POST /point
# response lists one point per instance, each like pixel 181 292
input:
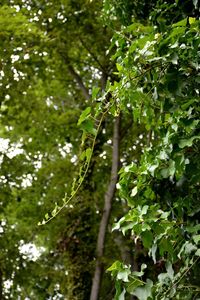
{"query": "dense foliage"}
pixel 158 67
pixel 68 71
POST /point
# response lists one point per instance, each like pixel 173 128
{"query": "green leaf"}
pixel 53 213
pixel 82 156
pixel 134 191
pixel 117 265
pixel 172 167
pixel 143 293
pixel 85 114
pixel 145 227
pixel 144 210
pixel 170 270
pixel 123 275
pixel 180 23
pixel 126 227
pixel 119 67
pixel 95 91
pixel 170 171
pixel 165 245
pixel 88 126
pixel 193 229
pixel 196 238
pixel 121 296
pixel 197 253
pixel 191 20
pixel 88 154
pixel 165 173
pixel 147 238
pixel 165 215
pixel 188 104
pixel 118 288
pixel 195 2
pixel 187 142
pixel 189 247
pixel 134 283
pixel 153 252
pixel 141 273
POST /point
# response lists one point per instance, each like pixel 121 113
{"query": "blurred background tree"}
pixel 56 59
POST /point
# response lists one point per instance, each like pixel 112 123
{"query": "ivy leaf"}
pixel 88 153
pixel 95 91
pixel 165 173
pixel 85 114
pixel 120 296
pixel 170 270
pixel 174 59
pixel 135 282
pixel 53 213
pixel 88 126
pixel 197 253
pixel 189 247
pixel 188 104
pixel 165 244
pixel 172 168
pixel 188 142
pixel 191 20
pixel 141 273
pixel 117 265
pixel 143 293
pixel 165 215
pixel 153 252
pixel 195 2
pixel 147 238
pixel 180 23
pixel 144 209
pixel 127 227
pixel 123 275
pixel 82 156
pixel 170 171
pixel 196 238
pixel 192 229
pixel 118 289
pixel 134 191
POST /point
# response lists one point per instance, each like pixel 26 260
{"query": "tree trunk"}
pixel 96 283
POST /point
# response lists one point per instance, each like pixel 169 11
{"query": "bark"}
pixel 96 283
pixel 124 249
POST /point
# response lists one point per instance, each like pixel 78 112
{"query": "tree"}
pixel 93 63
pixel 43 80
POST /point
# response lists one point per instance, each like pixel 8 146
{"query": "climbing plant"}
pixel 158 70
pixel 100 144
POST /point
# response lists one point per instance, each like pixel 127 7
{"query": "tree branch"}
pixel 75 75
pixel 92 54
pixel 79 81
pixel 106 212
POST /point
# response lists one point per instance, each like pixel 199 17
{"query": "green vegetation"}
pixel 99 150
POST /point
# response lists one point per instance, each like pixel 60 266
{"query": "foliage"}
pixel 40 106
pixel 56 128
pixel 158 83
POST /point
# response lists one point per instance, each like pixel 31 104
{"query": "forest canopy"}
pixel 99 149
